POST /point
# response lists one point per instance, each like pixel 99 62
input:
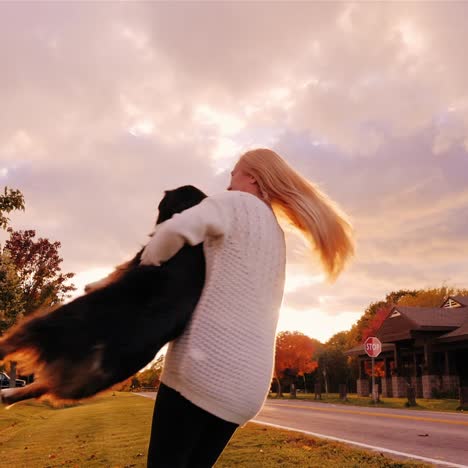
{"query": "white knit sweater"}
pixel 224 360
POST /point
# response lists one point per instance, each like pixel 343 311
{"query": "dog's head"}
pixel 178 200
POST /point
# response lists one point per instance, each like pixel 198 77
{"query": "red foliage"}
pixel 379 368
pixel 376 322
pixel 37 263
pixel 294 354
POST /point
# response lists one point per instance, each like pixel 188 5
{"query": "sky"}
pixel 106 105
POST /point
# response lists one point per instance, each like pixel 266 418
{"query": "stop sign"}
pixel 372 346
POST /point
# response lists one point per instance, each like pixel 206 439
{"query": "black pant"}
pixel 184 435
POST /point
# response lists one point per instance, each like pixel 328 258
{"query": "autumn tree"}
pixel 11 297
pixel 32 276
pixel 367 323
pixel 333 365
pixel 38 266
pixel 332 359
pixel 150 377
pixel 431 297
pixel 337 368
pixel 294 356
pixel 376 322
pixel 9 201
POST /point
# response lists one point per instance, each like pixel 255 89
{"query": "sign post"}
pixel 373 347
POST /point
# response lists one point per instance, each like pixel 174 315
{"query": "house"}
pixel 425 347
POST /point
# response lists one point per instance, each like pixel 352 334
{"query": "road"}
pixel 434 437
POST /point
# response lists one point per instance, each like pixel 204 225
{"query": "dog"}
pixel 105 336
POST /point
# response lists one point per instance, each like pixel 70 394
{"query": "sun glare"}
pixel 227 124
pixel 315 322
pixel 411 37
pixel 295 282
pixel 142 128
pixel 88 276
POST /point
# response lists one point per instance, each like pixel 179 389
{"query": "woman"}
pixel 217 374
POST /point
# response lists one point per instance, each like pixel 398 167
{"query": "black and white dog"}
pixel 107 335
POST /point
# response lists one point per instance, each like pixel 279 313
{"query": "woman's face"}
pixel 241 181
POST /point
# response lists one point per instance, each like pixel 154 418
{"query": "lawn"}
pixel 354 400
pixel 113 431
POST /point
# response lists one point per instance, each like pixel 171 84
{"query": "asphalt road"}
pixel 434 437
pixel 440 438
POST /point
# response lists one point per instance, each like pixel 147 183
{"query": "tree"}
pixel 39 281
pixel 9 201
pixel 150 377
pixel 431 297
pixel 360 330
pixel 11 304
pixel 367 325
pixel 334 365
pixel 37 264
pixel 293 356
pixel 376 322
pixel 331 358
pixel 11 297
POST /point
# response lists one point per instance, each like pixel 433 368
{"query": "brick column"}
pixel 387 387
pixel 399 387
pixel 363 387
pixel 429 383
pixel 450 383
pixel 386 380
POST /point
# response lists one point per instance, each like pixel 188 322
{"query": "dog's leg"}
pixel 12 395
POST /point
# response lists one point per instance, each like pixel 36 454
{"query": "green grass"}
pixel 113 431
pixel 104 431
pixel 354 400
pixel 261 447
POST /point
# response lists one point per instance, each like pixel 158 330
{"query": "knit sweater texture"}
pixel 224 360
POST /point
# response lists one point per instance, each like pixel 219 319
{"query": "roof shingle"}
pixel 459 334
pixel 435 316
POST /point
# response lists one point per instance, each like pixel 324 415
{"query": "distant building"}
pixel 425 347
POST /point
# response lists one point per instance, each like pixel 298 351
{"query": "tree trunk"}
pixel 325 381
pixel 13 374
pixel 279 392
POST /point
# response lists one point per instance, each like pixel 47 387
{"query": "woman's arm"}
pixel 192 227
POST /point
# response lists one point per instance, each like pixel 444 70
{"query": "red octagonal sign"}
pixel 372 346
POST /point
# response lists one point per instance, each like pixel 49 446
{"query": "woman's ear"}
pixel 252 179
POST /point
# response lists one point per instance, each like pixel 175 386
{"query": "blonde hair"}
pixel 324 225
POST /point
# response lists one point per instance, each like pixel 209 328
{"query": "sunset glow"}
pixel 106 105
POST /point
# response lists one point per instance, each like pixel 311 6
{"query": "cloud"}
pixel 105 105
